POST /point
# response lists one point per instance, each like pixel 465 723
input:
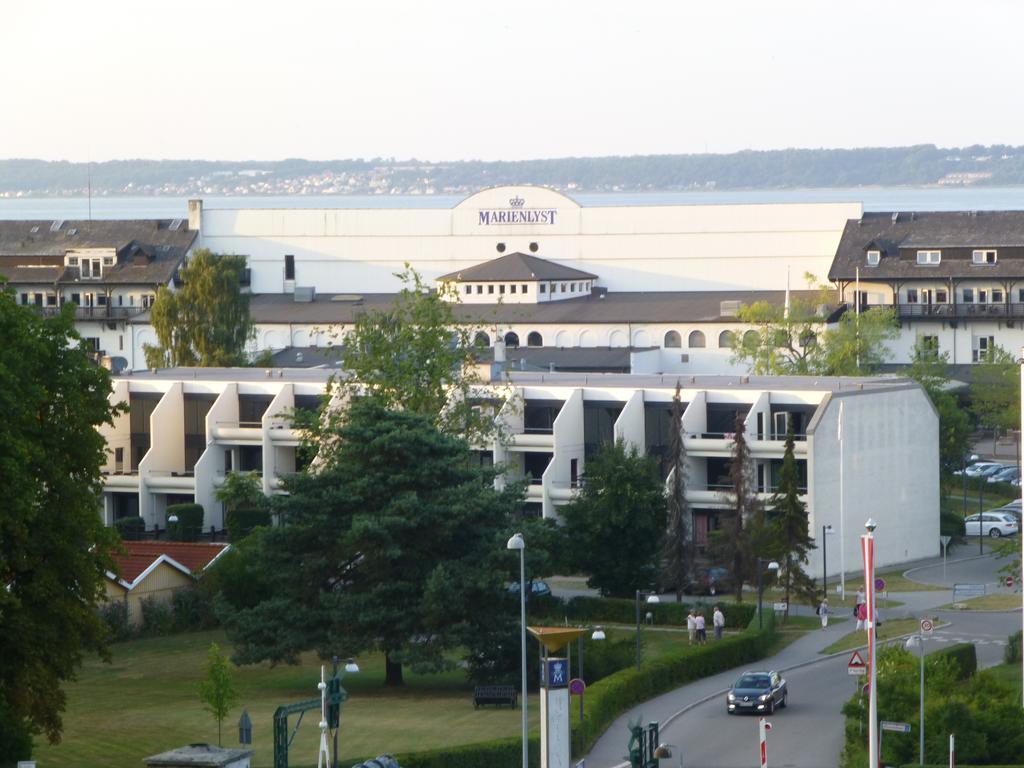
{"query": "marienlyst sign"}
pixel 516 213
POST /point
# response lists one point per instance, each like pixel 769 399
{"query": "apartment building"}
pixel 187 428
pixel 955 279
pixel 110 270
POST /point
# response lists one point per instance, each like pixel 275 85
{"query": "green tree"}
pixel 207 321
pixel 996 391
pixel 395 544
pixel 417 357
pixel 217 691
pixel 615 526
pixel 246 506
pixel 930 369
pixel 54 549
pixel 678 551
pixel 799 342
pixel 742 524
pixel 790 527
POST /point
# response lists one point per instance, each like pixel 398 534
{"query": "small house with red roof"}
pixel 156 570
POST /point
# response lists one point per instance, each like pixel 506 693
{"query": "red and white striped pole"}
pixel 764 727
pixel 867 542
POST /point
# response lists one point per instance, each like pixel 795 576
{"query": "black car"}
pixel 758 692
pixel 708 581
pixel 535 588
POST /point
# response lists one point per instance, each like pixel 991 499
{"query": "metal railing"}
pixel 958 311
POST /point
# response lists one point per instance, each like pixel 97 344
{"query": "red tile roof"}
pixel 140 555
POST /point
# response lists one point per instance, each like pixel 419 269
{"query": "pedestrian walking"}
pixel 702 632
pixel 823 613
pixel 718 621
pixel 691 626
pixel 862 616
pixel 858 601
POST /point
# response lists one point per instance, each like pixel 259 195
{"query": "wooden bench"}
pixel 495 694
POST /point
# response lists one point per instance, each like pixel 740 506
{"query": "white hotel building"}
pixel 186 428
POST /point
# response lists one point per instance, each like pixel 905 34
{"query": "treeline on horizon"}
pixel 892 166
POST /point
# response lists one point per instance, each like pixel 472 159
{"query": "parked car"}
pixel 757 692
pixel 1004 475
pixel 994 524
pixel 708 581
pixel 975 469
pixel 1011 506
pixel 537 588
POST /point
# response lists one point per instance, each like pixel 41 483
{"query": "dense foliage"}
pixel 743 533
pixel 930 369
pixel 54 549
pixel 678 550
pixel 789 526
pixel 615 525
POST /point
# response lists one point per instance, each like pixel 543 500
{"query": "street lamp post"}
pixel 517 543
pixel 351 668
pixel 652 599
pixel 825 531
pixel 772 566
pixel 868 546
pixel 918 640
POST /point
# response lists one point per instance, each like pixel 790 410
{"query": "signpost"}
pixel 780 607
pixel 576 688
pixel 945 543
pixel 889 725
pixel 1009 582
pixel 856 665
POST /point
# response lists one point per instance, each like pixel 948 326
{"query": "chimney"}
pixel 195 215
pixel 499 350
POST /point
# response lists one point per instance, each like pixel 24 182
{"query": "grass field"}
pixel 999 601
pixel 858 637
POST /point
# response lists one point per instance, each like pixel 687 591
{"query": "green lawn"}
pixel 145 702
pixel 999 601
pixel 858 637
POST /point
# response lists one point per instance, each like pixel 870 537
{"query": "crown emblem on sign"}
pixel 517 202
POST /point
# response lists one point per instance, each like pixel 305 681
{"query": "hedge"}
pixel 592 610
pixel 1011 654
pixel 130 528
pixel 499 753
pixel 190 522
pixel 964 656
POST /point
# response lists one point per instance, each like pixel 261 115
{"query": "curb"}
pixel 694 704
pixel 906 573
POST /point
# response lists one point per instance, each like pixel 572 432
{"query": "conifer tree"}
pixel 677 553
pixel 733 543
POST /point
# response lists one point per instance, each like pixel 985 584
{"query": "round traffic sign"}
pixel 576 686
pixel 880 584
pixel 926 625
pixel 1009 581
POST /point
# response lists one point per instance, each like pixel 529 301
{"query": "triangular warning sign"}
pixel 855 661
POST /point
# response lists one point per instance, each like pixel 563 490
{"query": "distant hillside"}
pixel 896 166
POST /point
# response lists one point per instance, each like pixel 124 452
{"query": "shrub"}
pixel 115 615
pixel 240 522
pixel 130 528
pixel 15 739
pixel 192 609
pixel 190 522
pixel 964 656
pixel 157 617
pixel 498 753
pixel 1011 654
pixel 595 610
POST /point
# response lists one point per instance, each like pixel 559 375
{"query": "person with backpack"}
pixel 823 613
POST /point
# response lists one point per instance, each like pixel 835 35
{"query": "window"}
pixel 522 289
pixel 911 295
pixel 1020 295
pixel 543 288
pixel 490 288
pixel 968 295
pixel 120 343
pixel 85 271
pixel 289 267
pixel 983 257
pixel 120 300
pixel 983 295
pixel 534 340
pixel 24 299
pixel 72 261
pixel 501 288
pixel 929 258
pixel 928 346
pixel 982 347
pixel 512 288
pixel 873 258
pixel 131 300
pixel 673 339
pixel 572 287
pixel 108 261
pixel 101 299
pixel 479 289
pixel 697 340
pixel 512 339
pixel 997 295
pixel 97 270
pixel 940 296
pixel 563 287
pixel 148 299
pixel 469 289
pixel 725 339
pixel 481 339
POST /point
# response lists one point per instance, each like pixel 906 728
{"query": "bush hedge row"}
pixel 964 655
pixel 591 610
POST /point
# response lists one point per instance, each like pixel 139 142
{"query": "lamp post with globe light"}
pixel 773 567
pixel 516 542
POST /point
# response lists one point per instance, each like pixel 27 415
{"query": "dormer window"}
pixel 983 257
pixel 873 258
pixel 108 261
pixel 72 261
pixel 929 258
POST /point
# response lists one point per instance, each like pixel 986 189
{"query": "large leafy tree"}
pixel 930 369
pixel 677 553
pixel 417 357
pixel 798 340
pixel 207 321
pixel 396 544
pixel 615 526
pixel 743 532
pixel 996 390
pixel 789 526
pixel 54 550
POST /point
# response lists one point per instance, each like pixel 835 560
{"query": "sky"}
pixel 478 79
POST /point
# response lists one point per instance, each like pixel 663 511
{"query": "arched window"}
pixel 672 339
pixel 697 340
pixel 511 340
pixel 534 340
pixel 481 339
pixel 750 337
pixel 726 339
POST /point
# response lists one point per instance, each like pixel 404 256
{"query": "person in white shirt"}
pixel 858 612
pixel 702 632
pixel 691 625
pixel 718 621
pixel 823 613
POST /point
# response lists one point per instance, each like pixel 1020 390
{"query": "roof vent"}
pixel 729 308
pixel 56 225
pixel 175 225
pixel 744 379
pixel 304 294
pixel 895 216
pixel 34 229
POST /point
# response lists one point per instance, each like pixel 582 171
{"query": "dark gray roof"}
pixel 518 266
pixel 955 233
pixel 163 241
pixel 624 307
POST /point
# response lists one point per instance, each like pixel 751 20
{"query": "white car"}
pixel 1005 475
pixel 994 524
pixel 980 468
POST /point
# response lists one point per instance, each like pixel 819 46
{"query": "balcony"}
pixel 96 313
pixel 120 480
pixel 238 432
pixel 1010 309
pixel 171 482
